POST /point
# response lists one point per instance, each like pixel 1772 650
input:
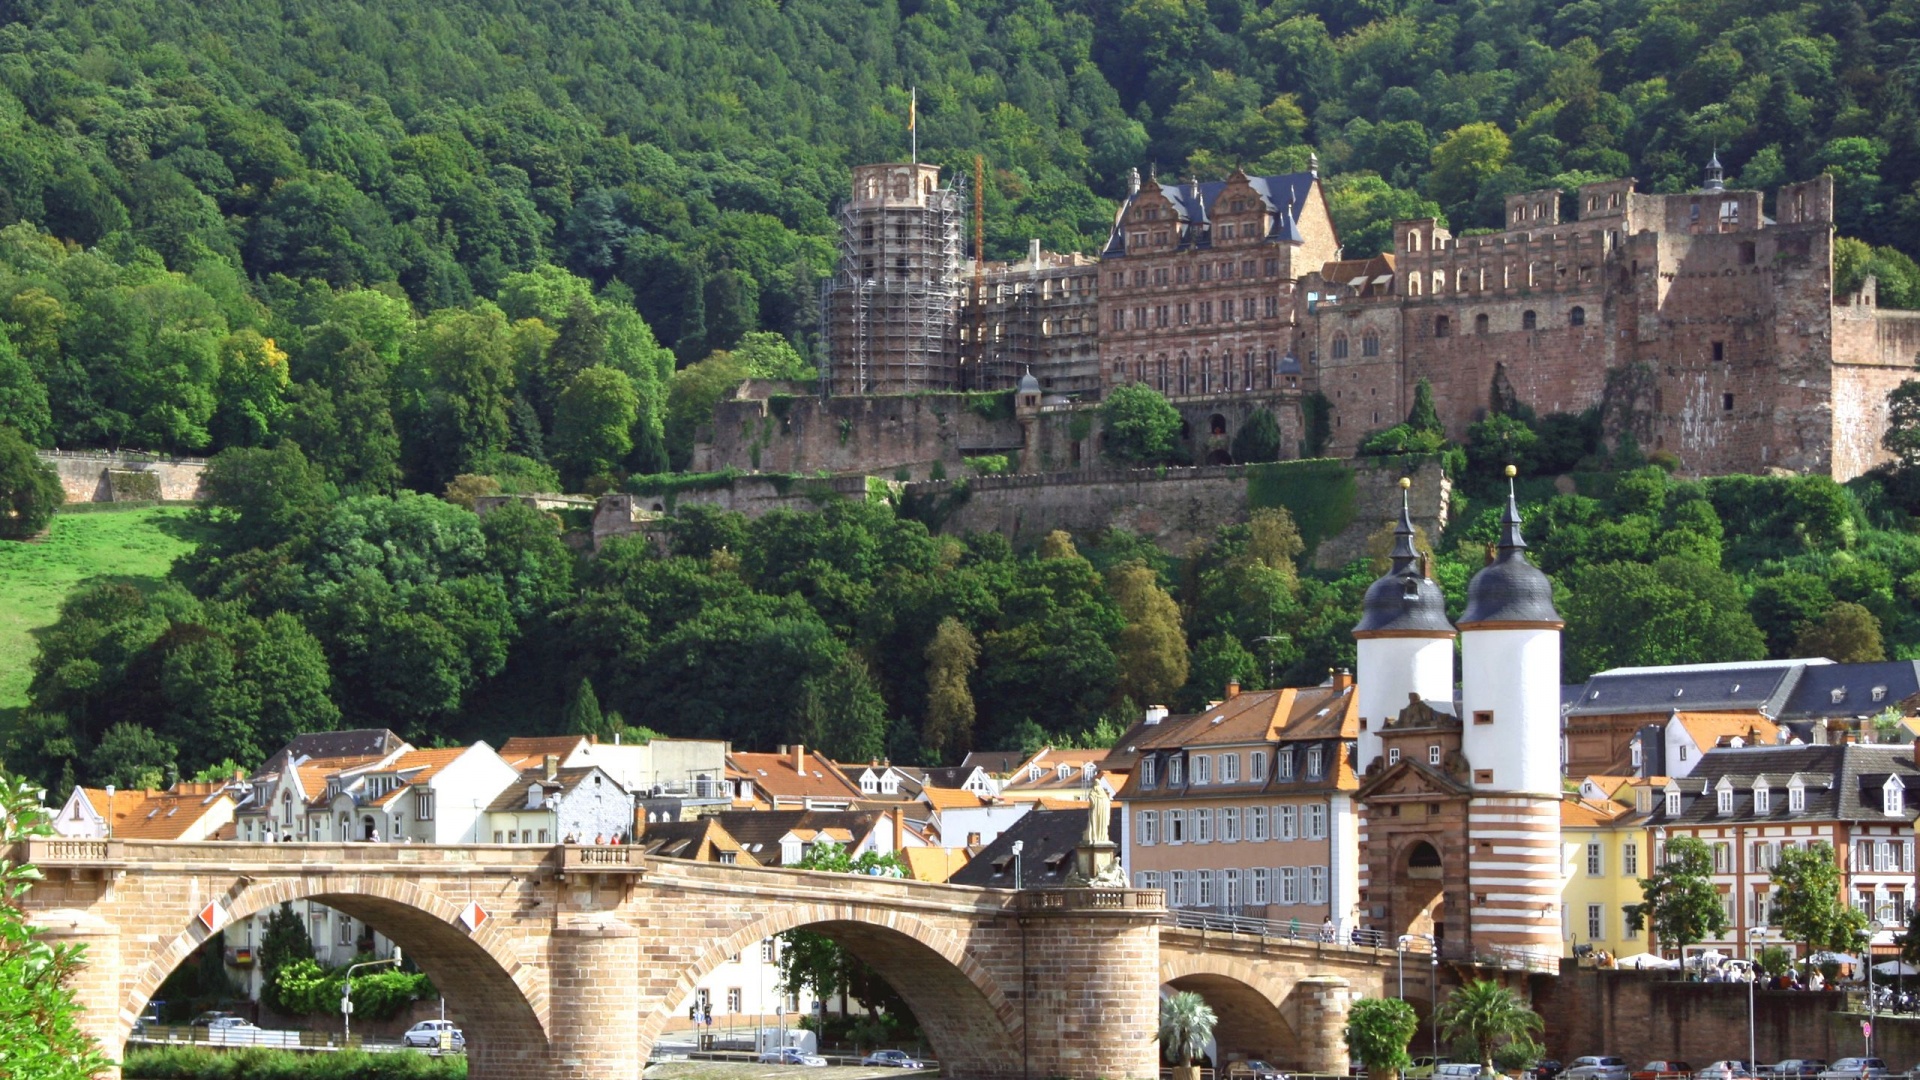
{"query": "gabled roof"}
pixel 514 796
pixel 933 863
pixel 775 775
pixel 1282 196
pixel 759 832
pixel 1758 686
pixel 1708 730
pixel 1576 813
pixel 1851 690
pixel 701 840
pixel 156 815
pixel 522 751
pixel 994 762
pixel 941 798
pixel 419 766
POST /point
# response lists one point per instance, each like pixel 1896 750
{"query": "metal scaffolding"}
pixel 890 314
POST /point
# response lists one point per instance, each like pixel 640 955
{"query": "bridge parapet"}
pixel 616 860
pixel 66 852
pixel 1085 901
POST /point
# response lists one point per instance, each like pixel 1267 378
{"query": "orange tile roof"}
pixel 155 815
pixel 775 775
pixel 933 863
pixel 427 762
pixel 522 750
pixel 1707 729
pixel 1579 813
pixel 941 798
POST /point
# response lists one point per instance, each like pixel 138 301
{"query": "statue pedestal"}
pixel 1094 863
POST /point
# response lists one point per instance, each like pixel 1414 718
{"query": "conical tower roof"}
pixel 1404 601
pixel 1510 591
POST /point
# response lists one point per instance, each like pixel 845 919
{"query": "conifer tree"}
pixel 583 711
pixel 951 656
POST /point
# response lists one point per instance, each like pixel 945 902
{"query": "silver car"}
pixel 432 1034
pixel 792 1055
pixel 1854 1068
pixel 893 1059
pixel 1595 1067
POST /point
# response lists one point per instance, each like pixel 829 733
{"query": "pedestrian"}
pixel 1326 929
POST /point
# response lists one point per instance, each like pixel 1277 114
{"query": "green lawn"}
pixel 136 546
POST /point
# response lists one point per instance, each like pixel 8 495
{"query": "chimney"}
pixel 899 828
pixel 553 766
pixel 1155 714
pixel 800 758
pixel 1342 678
pixel 1233 689
pixel 1033 253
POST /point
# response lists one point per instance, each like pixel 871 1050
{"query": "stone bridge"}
pixel 567 962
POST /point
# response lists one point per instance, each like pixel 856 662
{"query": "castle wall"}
pixel 89 476
pixel 877 434
pixel 1874 352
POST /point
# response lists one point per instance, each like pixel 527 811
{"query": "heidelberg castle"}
pixel 1706 327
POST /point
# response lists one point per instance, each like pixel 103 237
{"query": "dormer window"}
pixel 1393 755
pixel 1433 754
pixel 1062 771
pixel 1762 797
pixel 1283 765
pixel 1087 770
pixel 1146 772
pixel 1723 797
pixel 1637 760
pixel 868 785
pixel 1879 693
pixel 1796 797
pixel 1838 694
pixel 1315 762
pixel 1229 768
pixel 1893 796
pixel 1643 801
pixel 1257 766
pixel 1673 802
pixel 1202 769
pixel 890 784
pixel 1174 770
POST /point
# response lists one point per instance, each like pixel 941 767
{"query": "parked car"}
pixel 431 1033
pixel 893 1059
pixel 1663 1070
pixel 1853 1068
pixel 1545 1070
pixel 1596 1067
pixel 1793 1069
pixel 1457 1070
pixel 1725 1070
pixel 206 1019
pixel 1422 1068
pixel 790 1055
pixel 1254 1069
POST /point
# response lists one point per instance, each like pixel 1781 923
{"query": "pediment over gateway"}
pixel 1420 715
pixel 1413 780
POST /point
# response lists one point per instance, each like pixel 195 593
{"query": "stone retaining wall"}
pixel 99 476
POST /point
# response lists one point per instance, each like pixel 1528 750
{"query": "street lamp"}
pixel 1755 936
pixel 1866 956
pixel 346 991
pixel 1402 950
pixel 109 811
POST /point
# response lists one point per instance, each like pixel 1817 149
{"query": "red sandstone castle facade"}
pixel 1693 320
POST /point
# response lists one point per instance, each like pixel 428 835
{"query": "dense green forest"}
pixel 274 217
pixel 856 630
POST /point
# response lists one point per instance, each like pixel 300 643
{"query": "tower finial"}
pixel 1510 538
pixel 1313 164
pixel 1404 554
pixel 1716 176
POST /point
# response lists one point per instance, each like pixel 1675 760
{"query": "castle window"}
pixel 1339 349
pixel 1433 754
pixel 1413 241
pixel 1413 284
pixel 1480 324
pixel 1393 755
pixel 1719 352
pixel 1746 252
pixel 1529 320
pixel 1726 402
pixel 1577 317
pixel 1483 716
pixel 1370 344
pixel 1483 776
pixel 1442 326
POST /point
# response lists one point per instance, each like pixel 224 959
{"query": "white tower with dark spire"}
pixel 1404 642
pixel 1510 704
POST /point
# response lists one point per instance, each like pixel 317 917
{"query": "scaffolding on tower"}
pixel 890 314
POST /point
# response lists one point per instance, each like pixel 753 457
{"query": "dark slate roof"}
pixel 1050 838
pixel 996 762
pixel 1851 690
pixel 1404 600
pixel 514 795
pixel 1762 686
pixel 1510 589
pixel 360 742
pixel 949 776
pixel 1193 204
pixel 1842 780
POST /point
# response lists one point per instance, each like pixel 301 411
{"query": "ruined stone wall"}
pixel 89 476
pixel 1874 352
pixel 877 434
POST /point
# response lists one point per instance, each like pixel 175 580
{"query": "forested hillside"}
pixel 234 163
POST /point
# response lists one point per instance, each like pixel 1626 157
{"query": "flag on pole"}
pixel 913 107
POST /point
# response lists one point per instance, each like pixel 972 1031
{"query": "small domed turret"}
pixel 1029 384
pixel 1510 591
pixel 1404 598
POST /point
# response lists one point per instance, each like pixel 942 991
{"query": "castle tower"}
pixel 1404 641
pixel 1510 737
pixel 890 314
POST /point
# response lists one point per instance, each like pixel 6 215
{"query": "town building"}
pixel 1051 775
pixel 1246 808
pixel 1461 810
pixel 1605 848
pixel 792 779
pixel 550 804
pixel 1749 803
pixel 185 811
pixel 1038 852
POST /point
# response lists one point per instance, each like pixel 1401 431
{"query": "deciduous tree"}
pixel 1679 902
pixel 30 490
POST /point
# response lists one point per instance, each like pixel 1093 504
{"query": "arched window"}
pixel 1528 320
pixel 1439 282
pixel 1413 240
pixel 1413 284
pixel 1370 344
pixel 1577 317
pixel 1339 350
pixel 1462 280
pixel 1206 373
pixel 1479 324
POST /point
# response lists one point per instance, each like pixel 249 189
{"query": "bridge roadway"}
pixel 567 962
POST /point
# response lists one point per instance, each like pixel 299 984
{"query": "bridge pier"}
pixel 593 1029
pixel 1317 1009
pixel 96 986
pixel 1090 983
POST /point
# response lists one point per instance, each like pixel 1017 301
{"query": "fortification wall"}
pixel 1874 352
pixel 1339 504
pixel 846 435
pixel 98 476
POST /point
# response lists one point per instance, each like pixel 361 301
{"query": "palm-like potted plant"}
pixel 1487 1014
pixel 1378 1031
pixel 1186 1027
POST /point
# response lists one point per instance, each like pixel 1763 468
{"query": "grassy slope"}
pixel 137 546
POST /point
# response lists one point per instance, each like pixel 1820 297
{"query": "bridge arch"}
pixel 972 1027
pixel 1248 1002
pixel 501 1001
